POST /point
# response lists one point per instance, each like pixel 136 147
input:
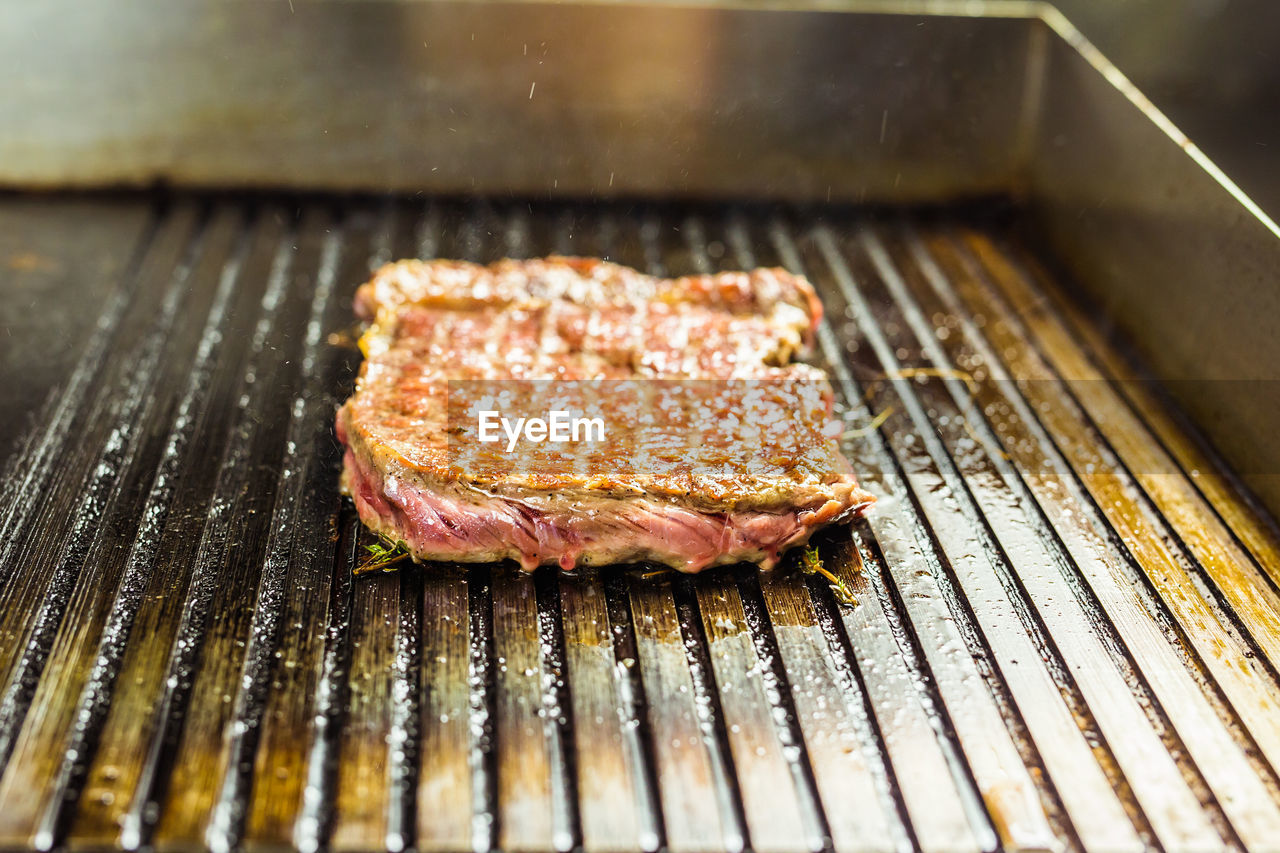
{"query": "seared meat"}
pixel 714 448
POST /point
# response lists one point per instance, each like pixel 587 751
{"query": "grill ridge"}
pixel 711 722
pixel 899 832
pixel 634 710
pixel 484 758
pixel 315 812
pixel 778 689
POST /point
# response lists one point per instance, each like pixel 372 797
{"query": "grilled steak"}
pixel 713 447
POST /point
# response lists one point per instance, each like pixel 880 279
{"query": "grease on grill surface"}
pixel 1062 639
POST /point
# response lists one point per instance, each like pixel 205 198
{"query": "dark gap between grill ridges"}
pixel 557 708
pixel 471 238
pixel 1167 531
pixel 1099 624
pixel 428 232
pixel 189 424
pixel 115 474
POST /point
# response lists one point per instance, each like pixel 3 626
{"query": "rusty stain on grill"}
pixel 1066 635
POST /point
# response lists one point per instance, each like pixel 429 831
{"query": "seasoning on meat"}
pixel 703 443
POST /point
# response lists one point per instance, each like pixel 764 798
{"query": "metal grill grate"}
pixel 1066 634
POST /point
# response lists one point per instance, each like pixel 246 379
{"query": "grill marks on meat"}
pixel 587 282
pixel 718 448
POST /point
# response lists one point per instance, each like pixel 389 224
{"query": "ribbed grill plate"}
pixel 1067 625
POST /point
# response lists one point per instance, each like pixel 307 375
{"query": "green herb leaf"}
pixel 843 594
pixel 811 564
pixel 383 553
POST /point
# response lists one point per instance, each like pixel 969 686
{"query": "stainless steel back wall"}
pixel 511 98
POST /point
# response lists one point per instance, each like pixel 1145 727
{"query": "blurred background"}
pixel 129 93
